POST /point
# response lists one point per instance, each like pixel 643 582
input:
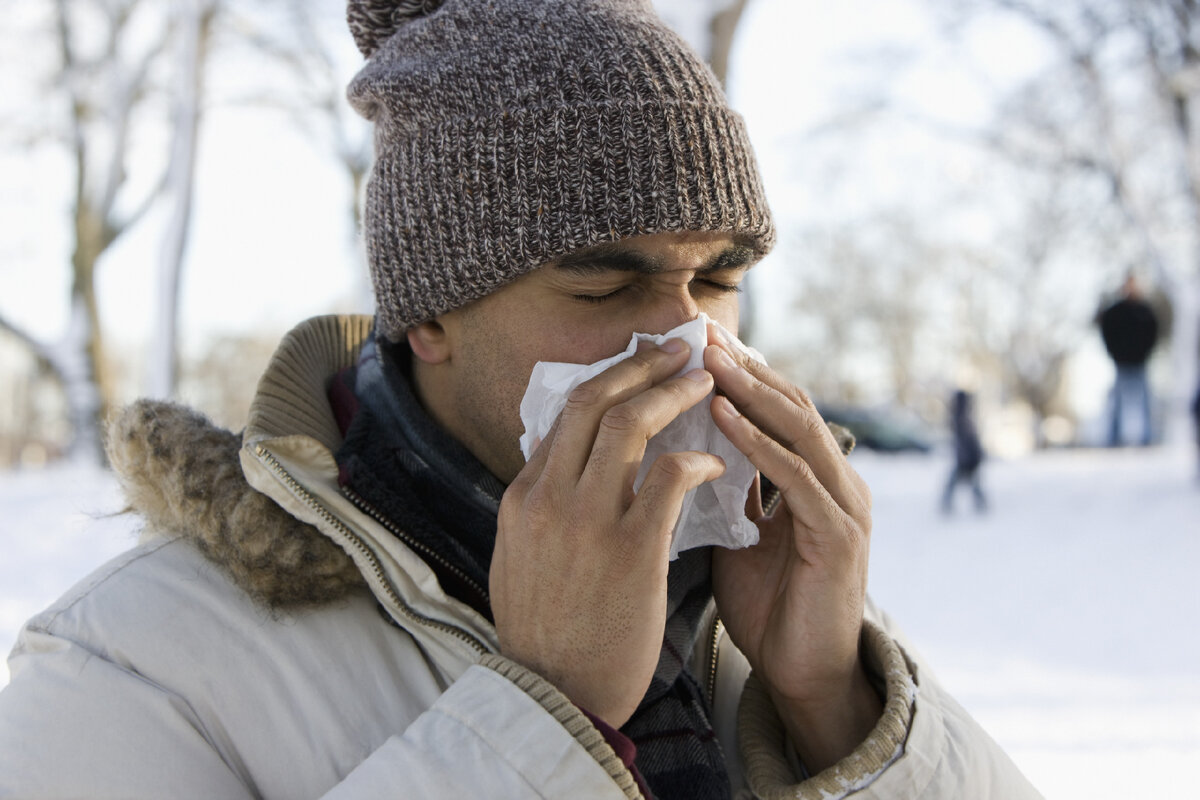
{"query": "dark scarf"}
pixel 417 480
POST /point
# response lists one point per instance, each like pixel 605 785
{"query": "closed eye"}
pixel 599 298
pixel 723 288
pixel 698 284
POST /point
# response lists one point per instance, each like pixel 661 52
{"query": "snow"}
pixel 1065 619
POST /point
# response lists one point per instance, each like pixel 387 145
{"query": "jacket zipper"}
pixel 713 658
pixel 380 577
pixel 427 552
pixel 771 501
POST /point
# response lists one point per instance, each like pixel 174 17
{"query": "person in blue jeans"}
pixel 968 454
pixel 1129 328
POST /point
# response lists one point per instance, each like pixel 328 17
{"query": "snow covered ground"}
pixel 1067 619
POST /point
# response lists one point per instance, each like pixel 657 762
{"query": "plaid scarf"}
pixel 401 467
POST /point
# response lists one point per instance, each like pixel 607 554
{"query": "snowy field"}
pixel 1067 619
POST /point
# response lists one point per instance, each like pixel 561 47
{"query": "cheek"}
pixel 576 342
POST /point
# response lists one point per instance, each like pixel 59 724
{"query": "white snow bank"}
pixel 1065 619
pixel 56 526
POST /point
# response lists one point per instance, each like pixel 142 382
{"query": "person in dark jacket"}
pixel 1130 330
pixel 968 453
pixel 1195 409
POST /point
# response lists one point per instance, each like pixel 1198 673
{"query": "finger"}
pixel 541 449
pixel 660 498
pixel 587 403
pixel 627 427
pixel 768 376
pixel 806 496
pixel 754 504
pixel 772 379
pixel 786 414
pixel 759 369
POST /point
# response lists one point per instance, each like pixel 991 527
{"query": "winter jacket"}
pixel 968 450
pixel 267 639
pixel 1130 331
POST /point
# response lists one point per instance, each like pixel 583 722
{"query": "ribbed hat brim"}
pixel 456 194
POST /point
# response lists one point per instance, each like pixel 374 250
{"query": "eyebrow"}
pixel 616 258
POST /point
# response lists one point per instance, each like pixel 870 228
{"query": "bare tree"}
pixel 127 72
pixel 708 25
pixel 866 308
pixel 1116 104
pixel 193 22
pixel 1021 313
pixel 103 77
pixel 307 40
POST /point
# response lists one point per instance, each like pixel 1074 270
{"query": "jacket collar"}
pixel 287 454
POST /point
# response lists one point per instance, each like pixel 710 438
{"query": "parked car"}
pixel 878 429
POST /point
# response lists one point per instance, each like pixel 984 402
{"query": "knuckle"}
pixel 757 384
pixel 644 358
pixel 759 440
pixel 584 396
pixel 802 399
pixel 673 465
pixel 815 427
pixel 539 506
pixel 799 473
pixel 623 418
pixel 641 364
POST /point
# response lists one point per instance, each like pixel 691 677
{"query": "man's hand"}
pixel 579 575
pixel 794 602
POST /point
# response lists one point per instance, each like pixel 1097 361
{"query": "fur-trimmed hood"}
pixel 182 473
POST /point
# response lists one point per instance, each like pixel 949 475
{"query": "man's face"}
pixel 580 308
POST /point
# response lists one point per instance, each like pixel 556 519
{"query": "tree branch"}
pixel 127 96
pixel 42 353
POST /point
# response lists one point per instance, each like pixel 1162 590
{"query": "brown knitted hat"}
pixel 511 132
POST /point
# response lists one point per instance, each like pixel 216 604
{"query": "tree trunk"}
pixel 194 22
pixel 722 28
pixel 79 358
pixel 78 364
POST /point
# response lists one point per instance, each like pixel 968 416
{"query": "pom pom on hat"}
pixel 372 22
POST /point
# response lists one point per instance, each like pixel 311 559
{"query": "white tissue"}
pixel 712 514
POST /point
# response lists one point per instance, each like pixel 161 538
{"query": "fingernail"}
pixel 726 407
pixel 697 375
pixel 674 345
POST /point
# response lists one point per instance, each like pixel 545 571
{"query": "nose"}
pixel 668 310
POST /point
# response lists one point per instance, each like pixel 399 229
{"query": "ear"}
pixel 429 342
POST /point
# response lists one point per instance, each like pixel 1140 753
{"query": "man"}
pixel 1130 331
pixel 401 605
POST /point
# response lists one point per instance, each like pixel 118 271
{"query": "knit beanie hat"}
pixel 512 132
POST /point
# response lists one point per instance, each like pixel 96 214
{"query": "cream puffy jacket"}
pixel 236 654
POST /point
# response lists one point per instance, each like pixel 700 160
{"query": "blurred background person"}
pixel 1129 328
pixel 1195 409
pixel 968 453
